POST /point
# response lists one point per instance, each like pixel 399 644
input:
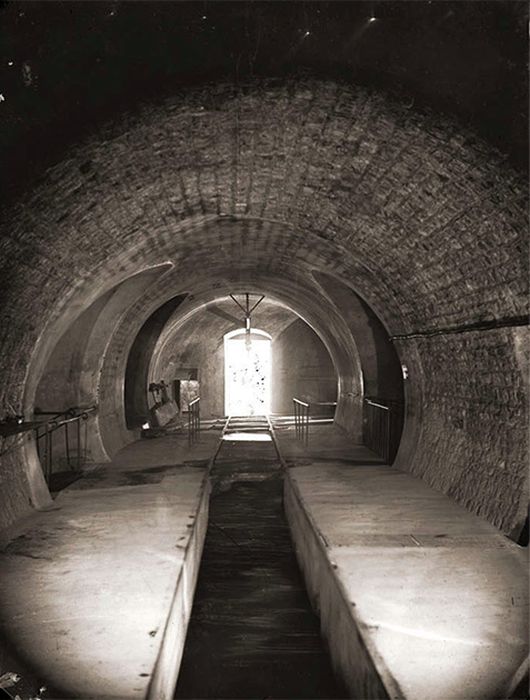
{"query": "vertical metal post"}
pixel 369 425
pixel 50 456
pixel 387 438
pixel 298 420
pixel 37 442
pixel 377 435
pixel 194 420
pixel 85 418
pixel 67 444
pixel 301 420
pixel 78 424
pixel 379 432
pixel 46 448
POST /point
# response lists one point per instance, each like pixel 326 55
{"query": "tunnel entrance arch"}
pixel 248 369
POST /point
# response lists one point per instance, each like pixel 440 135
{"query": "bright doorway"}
pixel 247 373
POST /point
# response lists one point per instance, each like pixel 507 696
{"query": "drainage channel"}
pixel 252 632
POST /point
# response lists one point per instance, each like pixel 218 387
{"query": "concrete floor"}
pixel 87 590
pixel 431 597
pixel 326 443
pixel 418 598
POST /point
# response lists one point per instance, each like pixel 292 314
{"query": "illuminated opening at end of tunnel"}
pixel 248 364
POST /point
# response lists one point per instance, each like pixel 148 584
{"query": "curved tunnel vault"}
pixel 308 192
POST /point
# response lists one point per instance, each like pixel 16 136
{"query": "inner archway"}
pixel 248 363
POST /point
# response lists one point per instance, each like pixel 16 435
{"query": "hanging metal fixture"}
pixel 247 310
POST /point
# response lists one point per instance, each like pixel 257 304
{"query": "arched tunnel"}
pixel 387 246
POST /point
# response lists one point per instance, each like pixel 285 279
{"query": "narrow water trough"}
pixel 252 632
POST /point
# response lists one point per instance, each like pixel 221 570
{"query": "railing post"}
pixel 380 421
pixel 67 445
pixel 371 431
pixel 298 421
pixel 50 456
pixel 85 449
pixel 37 442
pixel 46 429
pixel 78 426
pixel 46 448
pixel 387 435
pixel 194 420
pixel 301 420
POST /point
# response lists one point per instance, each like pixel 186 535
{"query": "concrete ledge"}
pixel 417 597
pixel 165 675
pixel 354 657
pixel 95 597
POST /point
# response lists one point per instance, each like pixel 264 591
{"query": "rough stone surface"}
pixel 474 406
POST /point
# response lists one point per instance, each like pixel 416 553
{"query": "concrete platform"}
pixel 417 597
pixel 326 443
pixel 95 596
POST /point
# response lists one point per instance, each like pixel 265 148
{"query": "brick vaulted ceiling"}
pixel 422 220
pixel 262 183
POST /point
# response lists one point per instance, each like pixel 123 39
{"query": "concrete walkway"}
pixel 95 596
pixel 418 598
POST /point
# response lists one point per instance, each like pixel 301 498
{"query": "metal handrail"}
pixel 194 420
pixel 301 411
pixel 46 429
pixel 54 424
pixel 383 427
pixel 370 402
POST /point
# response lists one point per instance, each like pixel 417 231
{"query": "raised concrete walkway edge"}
pixel 353 655
pixel 165 674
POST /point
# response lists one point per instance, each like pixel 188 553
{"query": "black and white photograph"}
pixel 264 349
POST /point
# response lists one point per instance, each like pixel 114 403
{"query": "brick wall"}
pixel 382 377
pixel 270 181
pixel 473 443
